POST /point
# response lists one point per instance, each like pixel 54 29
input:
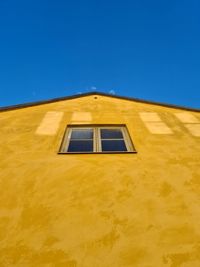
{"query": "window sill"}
pixel 75 153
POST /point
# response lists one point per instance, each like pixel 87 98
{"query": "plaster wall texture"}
pixel 99 210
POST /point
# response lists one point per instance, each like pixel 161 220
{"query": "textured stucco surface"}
pixel 50 123
pixel 102 210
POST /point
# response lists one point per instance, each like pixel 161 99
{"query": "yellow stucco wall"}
pixel 102 210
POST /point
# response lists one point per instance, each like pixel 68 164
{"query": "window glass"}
pixel 113 145
pixel 111 134
pixel 80 146
pixel 82 134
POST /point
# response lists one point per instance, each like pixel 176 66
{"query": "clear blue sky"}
pixel 148 49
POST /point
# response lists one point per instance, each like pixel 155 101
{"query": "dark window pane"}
pixel 111 134
pixel 80 146
pixel 113 145
pixel 82 134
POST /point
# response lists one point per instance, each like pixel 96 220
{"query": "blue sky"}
pixel 147 49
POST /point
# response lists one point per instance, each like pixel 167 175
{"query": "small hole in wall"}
pixel 95 97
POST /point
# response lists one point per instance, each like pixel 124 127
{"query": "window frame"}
pixel 97 149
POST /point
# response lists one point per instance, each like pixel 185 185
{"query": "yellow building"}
pixel 96 180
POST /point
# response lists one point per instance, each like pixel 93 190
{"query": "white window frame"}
pixel 97 139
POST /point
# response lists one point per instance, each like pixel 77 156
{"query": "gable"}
pixel 49 118
pixel 111 201
pixel 95 94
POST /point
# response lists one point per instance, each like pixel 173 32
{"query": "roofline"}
pixel 31 104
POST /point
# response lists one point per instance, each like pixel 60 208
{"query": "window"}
pixel 96 139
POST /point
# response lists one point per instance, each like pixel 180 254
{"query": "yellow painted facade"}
pixel 100 210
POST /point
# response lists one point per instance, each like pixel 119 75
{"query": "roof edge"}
pixel 37 103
